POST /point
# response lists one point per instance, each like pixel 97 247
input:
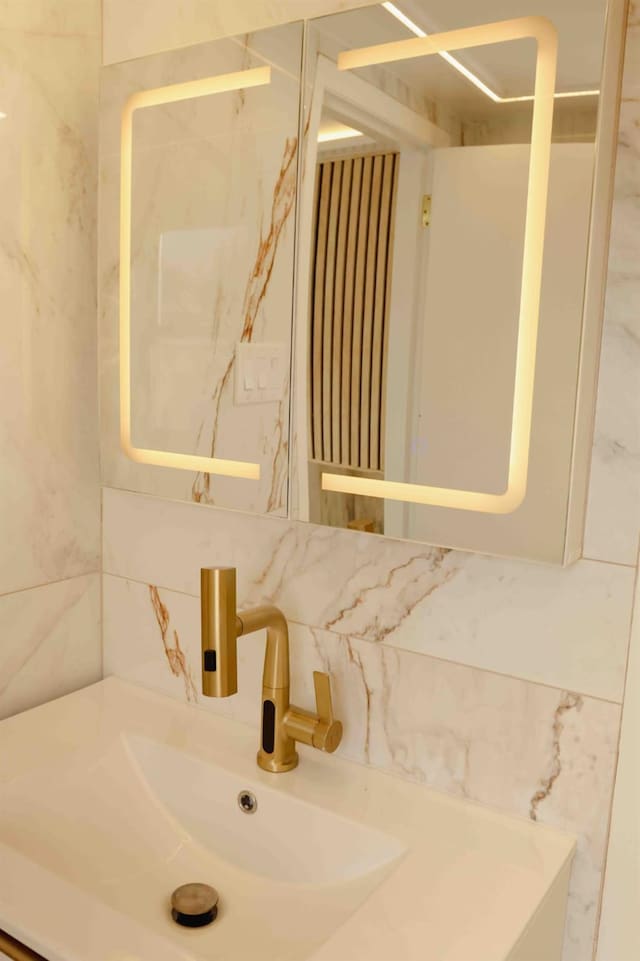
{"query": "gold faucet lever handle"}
pixel 324 705
pixel 328 732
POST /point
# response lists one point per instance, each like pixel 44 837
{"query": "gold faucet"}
pixel 282 723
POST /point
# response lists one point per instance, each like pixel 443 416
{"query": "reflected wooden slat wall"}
pixel 354 217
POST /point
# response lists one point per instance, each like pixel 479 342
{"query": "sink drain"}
pixel 247 802
pixel 194 905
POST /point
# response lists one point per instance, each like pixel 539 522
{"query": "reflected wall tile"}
pixel 563 627
pixel 158 26
pixel 49 642
pixel 223 207
pixel 531 750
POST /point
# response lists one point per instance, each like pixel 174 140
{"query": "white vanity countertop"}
pixel 90 884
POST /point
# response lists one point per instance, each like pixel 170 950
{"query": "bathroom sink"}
pixel 112 797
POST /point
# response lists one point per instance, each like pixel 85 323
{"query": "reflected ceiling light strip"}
pixel 339 132
pixel 419 32
pixel 160 96
pixel 557 95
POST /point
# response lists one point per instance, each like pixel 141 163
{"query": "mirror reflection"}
pixel 213 169
pixel 413 205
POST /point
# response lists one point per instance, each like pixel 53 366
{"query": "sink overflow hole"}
pixel 247 802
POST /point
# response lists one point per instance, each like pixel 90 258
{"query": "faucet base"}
pixel 269 763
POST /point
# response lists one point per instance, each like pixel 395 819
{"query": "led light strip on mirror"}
pixel 224 83
pixel 545 34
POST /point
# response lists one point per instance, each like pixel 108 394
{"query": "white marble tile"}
pixel 49 494
pixel 562 627
pixel 613 513
pixel 49 642
pixel 528 749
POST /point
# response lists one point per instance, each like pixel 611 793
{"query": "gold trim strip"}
pixel 16 950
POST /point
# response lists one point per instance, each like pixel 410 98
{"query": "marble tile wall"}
pixel 532 728
pixel 496 680
pixel 49 481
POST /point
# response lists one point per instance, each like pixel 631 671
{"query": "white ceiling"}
pixel 507 68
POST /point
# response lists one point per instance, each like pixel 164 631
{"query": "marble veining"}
pixel 284 193
pixel 412 582
pixel 569 702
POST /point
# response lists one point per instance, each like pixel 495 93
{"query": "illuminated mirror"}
pixel 445 231
pixel 200 146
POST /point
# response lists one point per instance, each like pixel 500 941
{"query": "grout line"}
pixel 421 547
pixel 101 628
pixel 465 665
pixel 59 580
pixel 144 583
pixel 402 650
pixel 600 560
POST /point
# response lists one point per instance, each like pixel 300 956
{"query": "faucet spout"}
pixel 276 659
pixel 219 631
pixel 282 723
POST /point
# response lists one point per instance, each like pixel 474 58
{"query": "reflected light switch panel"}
pixel 259 373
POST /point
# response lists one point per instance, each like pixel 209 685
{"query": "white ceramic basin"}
pixel 112 797
pixel 288 840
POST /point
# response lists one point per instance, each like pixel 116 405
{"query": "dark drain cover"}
pixel 194 905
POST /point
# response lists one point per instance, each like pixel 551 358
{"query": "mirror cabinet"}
pixel 357 271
